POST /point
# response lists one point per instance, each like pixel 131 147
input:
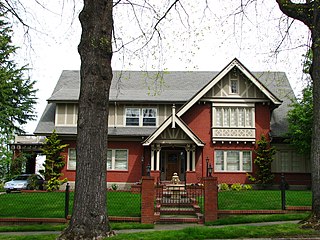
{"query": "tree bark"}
pixel 89 219
pixel 309 14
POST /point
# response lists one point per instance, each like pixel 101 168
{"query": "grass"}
pixel 127 204
pixel 261 199
pixel 231 232
pixel 51 205
pixel 60 227
pixel 238 219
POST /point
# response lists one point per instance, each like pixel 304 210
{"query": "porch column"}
pixel 158 148
pixel 152 157
pixel 188 156
pixel 193 164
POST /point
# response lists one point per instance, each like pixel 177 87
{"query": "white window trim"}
pixel 113 160
pixel 68 161
pixel 225 165
pixel 140 116
pixel 227 107
pixel 75 114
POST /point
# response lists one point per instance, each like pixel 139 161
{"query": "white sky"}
pixel 191 41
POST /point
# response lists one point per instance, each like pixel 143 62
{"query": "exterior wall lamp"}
pixel 210 170
pixel 148 168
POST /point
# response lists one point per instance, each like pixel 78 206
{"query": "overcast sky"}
pixel 194 38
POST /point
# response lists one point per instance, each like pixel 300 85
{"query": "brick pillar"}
pixel 210 199
pixel 147 200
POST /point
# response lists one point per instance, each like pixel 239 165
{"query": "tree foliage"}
pixel 300 119
pixel 17 96
pixel 54 163
pixel 263 175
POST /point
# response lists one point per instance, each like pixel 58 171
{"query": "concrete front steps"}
pixel 179 213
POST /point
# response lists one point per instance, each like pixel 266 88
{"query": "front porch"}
pixel 165 160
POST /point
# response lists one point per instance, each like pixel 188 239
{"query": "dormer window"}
pixel 141 116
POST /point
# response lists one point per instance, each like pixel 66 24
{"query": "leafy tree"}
pixel 308 12
pixel 263 161
pixel 17 95
pixel 54 163
pixel 300 119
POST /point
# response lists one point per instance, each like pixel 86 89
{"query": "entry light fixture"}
pixel 210 170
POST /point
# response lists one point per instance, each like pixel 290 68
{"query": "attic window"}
pixel 234 86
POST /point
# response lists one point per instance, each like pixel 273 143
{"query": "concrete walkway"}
pixel 163 227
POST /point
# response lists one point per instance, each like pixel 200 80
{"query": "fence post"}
pixel 283 192
pixel 210 199
pixel 147 200
pixel 66 203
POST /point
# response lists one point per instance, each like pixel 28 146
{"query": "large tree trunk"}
pixel 315 75
pixel 89 219
pixel 309 14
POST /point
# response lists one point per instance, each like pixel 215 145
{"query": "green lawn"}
pixel 231 232
pixel 51 205
pixel 261 199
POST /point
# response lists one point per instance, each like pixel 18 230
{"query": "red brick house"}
pixel 183 122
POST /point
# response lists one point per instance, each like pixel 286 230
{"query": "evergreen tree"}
pixel 17 95
pixel 54 163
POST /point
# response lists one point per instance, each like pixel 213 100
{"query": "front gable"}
pixel 222 78
pixel 235 85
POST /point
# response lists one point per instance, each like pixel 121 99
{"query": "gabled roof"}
pixel 166 124
pixel 171 87
pixel 219 76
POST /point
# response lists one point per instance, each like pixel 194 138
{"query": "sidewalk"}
pixel 159 227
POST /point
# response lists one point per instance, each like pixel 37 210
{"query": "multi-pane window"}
pixel 233 117
pixel 287 160
pixel 132 116
pixel 141 116
pixel 66 114
pixel 149 116
pixel 71 159
pixel 117 159
pixel 233 161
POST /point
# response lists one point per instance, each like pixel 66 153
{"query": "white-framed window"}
pixel 71 159
pixel 233 161
pixel 141 116
pixel 66 114
pixel 117 159
pixel 233 117
pixel 132 116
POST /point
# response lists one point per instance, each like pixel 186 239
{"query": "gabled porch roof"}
pixel 173 120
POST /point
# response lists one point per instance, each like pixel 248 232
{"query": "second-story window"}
pixel 66 114
pixel 132 116
pixel 141 116
pixel 149 116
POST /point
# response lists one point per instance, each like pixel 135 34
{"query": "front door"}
pixel 173 165
pixel 173 162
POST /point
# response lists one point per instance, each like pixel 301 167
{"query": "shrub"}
pixel 236 186
pixel 223 187
pixel 114 187
pixel 246 187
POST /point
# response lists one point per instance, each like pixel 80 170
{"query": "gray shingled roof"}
pixel 173 87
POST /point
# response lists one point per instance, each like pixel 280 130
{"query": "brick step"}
pixel 177 210
pixel 180 219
